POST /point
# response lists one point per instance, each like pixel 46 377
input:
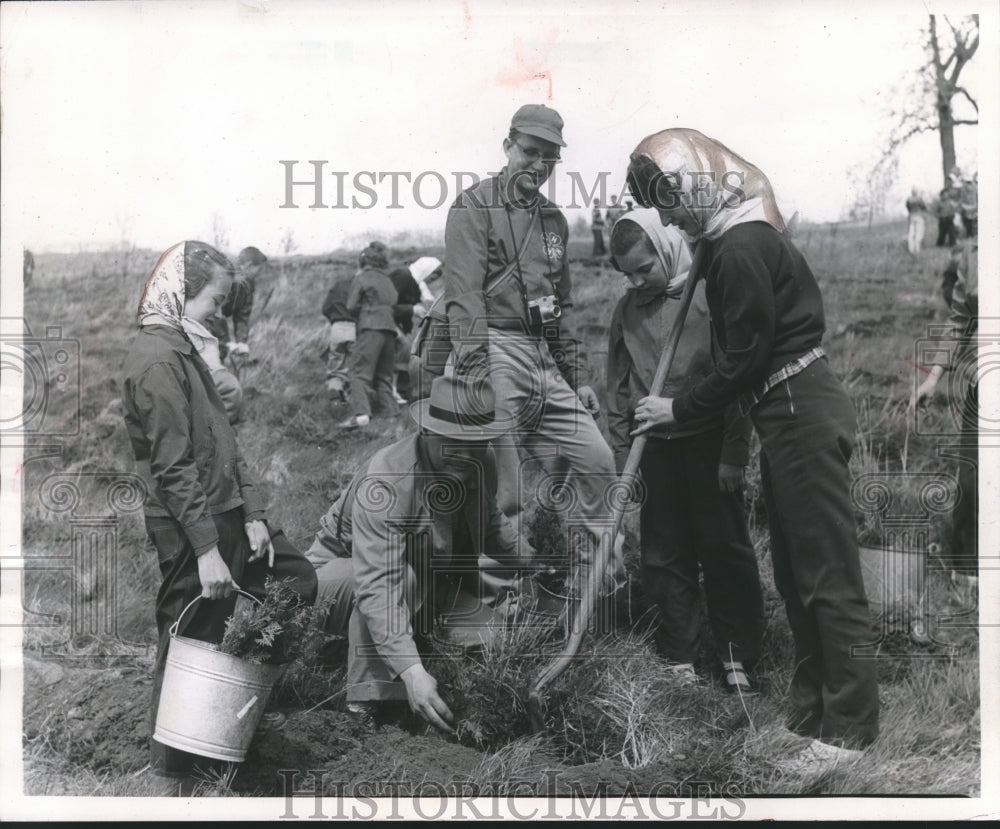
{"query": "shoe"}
pixel 684 673
pixel 364 713
pixel 402 401
pixel 357 422
pixel 735 680
pixel 820 758
pixel 270 722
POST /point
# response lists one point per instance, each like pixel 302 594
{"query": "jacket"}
pixel 640 326
pixel 766 311
pixel 335 302
pixel 371 299
pixel 483 234
pixel 390 526
pixel 407 295
pixel 183 444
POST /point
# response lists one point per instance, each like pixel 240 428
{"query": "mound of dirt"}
pixel 97 717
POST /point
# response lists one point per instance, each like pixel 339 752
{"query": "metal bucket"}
pixel 895 579
pixel 211 702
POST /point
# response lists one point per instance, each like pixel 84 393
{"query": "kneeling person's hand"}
pixel 421 689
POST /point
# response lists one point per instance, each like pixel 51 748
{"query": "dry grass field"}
pixel 617 718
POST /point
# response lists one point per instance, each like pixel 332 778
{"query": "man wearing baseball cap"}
pixel 508 296
pixel 418 534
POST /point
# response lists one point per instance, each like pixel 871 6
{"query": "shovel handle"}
pixel 198 598
pixel 605 548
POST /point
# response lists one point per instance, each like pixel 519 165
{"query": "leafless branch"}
pixel 960 90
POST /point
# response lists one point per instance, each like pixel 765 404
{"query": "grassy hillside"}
pixel 612 715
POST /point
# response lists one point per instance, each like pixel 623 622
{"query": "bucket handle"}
pixel 175 625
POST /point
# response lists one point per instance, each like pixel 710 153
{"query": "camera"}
pixel 543 310
pixel 48 371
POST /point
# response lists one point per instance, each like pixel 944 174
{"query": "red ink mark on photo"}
pixel 918 366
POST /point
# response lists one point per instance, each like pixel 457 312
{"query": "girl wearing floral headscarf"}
pixel 767 312
pixel 204 513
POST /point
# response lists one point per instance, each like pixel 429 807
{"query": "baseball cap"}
pixel 540 121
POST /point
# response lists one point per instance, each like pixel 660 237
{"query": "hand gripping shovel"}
pixel 536 706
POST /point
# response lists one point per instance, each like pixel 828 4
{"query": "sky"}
pixel 151 122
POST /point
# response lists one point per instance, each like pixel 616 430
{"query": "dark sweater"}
pixel 766 310
pixel 407 295
pixel 335 304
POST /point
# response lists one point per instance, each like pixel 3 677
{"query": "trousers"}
pixel 206 621
pixel 686 523
pixel 915 233
pixel 544 418
pixel 372 369
pixel 341 343
pixel 807 427
pixel 964 554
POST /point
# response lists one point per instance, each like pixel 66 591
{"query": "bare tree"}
pixel 871 184
pixel 935 100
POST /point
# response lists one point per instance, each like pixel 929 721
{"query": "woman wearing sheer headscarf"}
pixel 768 317
pixel 204 513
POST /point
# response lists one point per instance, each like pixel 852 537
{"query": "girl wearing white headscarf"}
pixel 767 313
pixel 692 516
pixel 203 511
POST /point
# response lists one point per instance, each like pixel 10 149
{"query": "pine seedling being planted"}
pixel 269 631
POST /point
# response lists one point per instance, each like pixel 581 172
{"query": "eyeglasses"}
pixel 533 154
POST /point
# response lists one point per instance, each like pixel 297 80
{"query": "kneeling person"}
pixel 425 537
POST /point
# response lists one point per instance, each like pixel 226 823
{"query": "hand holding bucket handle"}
pixel 174 627
pixel 216 580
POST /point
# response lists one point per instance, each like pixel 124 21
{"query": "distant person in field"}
pixel 417 537
pixel 509 301
pixel 204 513
pixel 29 267
pixel 597 229
pixel 692 515
pixel 614 213
pixel 969 206
pixel 343 330
pixel 340 340
pixel 959 354
pixel 767 313
pixel 946 209
pixel 915 209
pixel 373 358
pixel 239 305
pixel 408 296
pixel 427 271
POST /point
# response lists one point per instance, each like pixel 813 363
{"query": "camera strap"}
pixel 536 214
pixel 494 282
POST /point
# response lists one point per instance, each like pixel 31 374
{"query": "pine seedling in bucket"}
pixel 272 630
pixel 213 696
